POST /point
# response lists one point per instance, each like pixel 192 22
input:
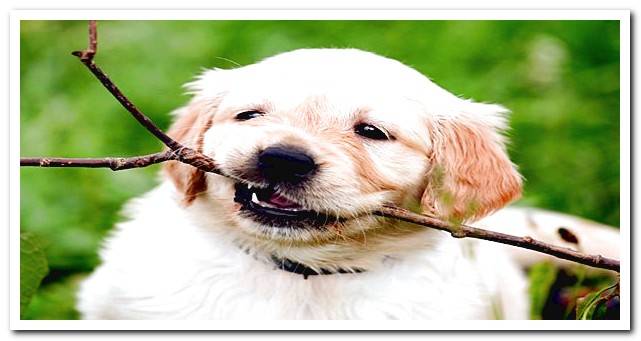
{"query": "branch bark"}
pixel 114 163
pixel 179 152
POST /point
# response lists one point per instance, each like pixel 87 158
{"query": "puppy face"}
pixel 316 138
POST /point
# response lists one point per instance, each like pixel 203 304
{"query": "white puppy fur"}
pixel 190 250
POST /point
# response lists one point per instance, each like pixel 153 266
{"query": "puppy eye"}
pixel 371 132
pixel 248 115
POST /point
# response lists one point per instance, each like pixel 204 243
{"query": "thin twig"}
pixel 181 153
pixel 114 163
pixel 92 46
pixel 464 231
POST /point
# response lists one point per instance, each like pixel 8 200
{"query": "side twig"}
pixel 181 153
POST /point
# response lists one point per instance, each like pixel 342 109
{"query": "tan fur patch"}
pixel 189 130
pixel 371 180
pixel 473 175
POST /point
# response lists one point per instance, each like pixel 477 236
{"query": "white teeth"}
pixel 255 200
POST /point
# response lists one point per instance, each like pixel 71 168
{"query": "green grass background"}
pixel 559 78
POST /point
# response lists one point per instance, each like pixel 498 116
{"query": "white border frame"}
pixel 14 172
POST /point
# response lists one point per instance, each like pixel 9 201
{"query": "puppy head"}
pixel 313 139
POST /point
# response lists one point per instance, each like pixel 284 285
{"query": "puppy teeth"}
pixel 250 186
pixel 255 198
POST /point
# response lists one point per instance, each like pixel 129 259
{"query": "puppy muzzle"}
pixel 284 169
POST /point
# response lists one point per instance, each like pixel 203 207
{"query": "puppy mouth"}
pixel 268 207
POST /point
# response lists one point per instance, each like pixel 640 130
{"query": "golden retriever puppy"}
pixel 314 140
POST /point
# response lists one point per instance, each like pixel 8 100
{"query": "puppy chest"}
pixel 276 294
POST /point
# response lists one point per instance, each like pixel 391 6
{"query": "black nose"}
pixel 285 164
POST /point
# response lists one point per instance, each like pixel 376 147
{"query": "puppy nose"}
pixel 285 164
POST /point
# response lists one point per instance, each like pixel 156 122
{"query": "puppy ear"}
pixel 471 174
pixel 189 129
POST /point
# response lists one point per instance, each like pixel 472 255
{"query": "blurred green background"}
pixel 559 78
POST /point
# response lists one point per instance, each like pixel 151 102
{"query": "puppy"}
pixel 312 142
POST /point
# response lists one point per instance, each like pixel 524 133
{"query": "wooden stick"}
pixel 114 163
pixel 183 153
pixel 464 231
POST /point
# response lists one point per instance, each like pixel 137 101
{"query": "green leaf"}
pixel 33 268
pixel 586 306
pixel 542 276
pixel 594 305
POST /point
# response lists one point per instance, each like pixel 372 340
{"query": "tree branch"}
pixel 464 231
pixel 181 153
pixel 114 163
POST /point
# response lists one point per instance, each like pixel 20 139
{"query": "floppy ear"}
pixel 189 129
pixel 471 174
